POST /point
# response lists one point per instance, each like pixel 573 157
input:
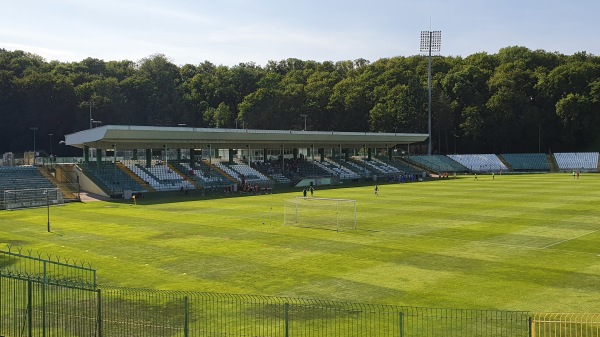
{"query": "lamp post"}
pixel 539 138
pixel 365 159
pixel 51 134
pixel 431 41
pixel 455 138
pixel 209 161
pixel 47 193
pixel 90 104
pixel 312 155
pixel 304 115
pixel 51 155
pixel 34 129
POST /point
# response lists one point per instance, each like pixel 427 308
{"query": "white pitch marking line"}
pixel 577 237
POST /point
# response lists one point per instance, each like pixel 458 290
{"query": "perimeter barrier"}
pixel 32 308
pixel 48 297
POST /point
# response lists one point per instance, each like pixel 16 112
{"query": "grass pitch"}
pixel 522 242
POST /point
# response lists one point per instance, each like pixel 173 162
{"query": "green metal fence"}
pixel 53 297
pixel 45 295
pixel 50 269
pixel 32 308
pixel 130 312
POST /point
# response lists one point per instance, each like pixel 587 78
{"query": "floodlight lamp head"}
pixel 431 41
pixel 436 41
pixel 424 41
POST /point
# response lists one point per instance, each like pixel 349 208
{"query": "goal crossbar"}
pixel 31 198
pixel 326 213
pixel 308 199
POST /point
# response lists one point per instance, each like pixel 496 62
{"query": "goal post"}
pixel 31 198
pixel 325 213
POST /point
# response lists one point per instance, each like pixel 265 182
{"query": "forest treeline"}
pixel 517 100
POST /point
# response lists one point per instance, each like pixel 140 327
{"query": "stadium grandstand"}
pixel 119 161
pixel 480 162
pixel 25 186
pixel 437 163
pixel 528 162
pixel 578 161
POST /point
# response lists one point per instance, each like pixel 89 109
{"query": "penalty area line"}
pixel 563 241
pixel 366 230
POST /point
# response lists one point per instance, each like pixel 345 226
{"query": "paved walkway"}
pixel 91 197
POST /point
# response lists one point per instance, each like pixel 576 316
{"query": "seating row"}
pixel 160 177
pixel 527 161
pixel 202 175
pixel 586 161
pixel 382 167
pixel 439 163
pixel 402 167
pixel 22 177
pixel 337 169
pixel 112 177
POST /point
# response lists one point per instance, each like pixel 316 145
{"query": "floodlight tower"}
pixel 34 129
pixel 304 115
pixel 90 104
pixel 431 42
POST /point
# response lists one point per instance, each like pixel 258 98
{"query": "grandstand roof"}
pixel 154 137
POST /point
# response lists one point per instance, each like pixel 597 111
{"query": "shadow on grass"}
pixel 211 194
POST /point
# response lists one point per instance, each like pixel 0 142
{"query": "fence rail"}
pixel 49 296
pixel 51 269
pixel 571 325
pixel 32 308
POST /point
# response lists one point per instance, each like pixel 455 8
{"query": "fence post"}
pixel 531 332
pixel 401 324
pixel 44 301
pixel 99 318
pixel 29 309
pixel 286 308
pixel 186 317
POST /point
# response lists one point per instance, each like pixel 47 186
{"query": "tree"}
pixel 163 103
pixel 351 101
pixel 512 101
pixel 509 105
pixel 223 116
pixel 260 109
pixel 577 114
pixel 43 100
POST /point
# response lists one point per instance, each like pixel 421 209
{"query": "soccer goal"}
pixel 326 213
pixel 31 198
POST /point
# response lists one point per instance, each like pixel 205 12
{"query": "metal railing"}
pixel 571 325
pixel 52 296
pixel 30 308
pixel 15 262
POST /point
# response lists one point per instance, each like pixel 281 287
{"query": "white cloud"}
pixel 46 53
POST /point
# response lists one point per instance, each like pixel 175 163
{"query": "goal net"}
pixel 31 198
pixel 326 213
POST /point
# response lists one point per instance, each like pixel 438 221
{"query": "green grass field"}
pixel 522 242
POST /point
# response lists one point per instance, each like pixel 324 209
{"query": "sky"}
pixel 229 32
